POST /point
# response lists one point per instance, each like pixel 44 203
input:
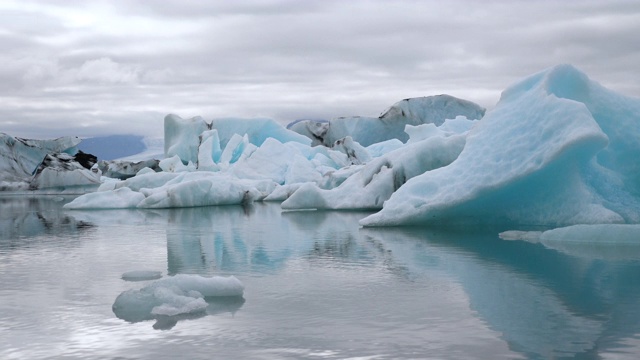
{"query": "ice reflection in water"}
pixel 316 285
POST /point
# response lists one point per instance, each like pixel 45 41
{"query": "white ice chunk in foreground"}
pixel 177 295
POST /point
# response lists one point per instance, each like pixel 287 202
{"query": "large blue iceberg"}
pixel 558 149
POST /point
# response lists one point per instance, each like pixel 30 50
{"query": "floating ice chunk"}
pixel 599 241
pixel 509 171
pixel 141 275
pixel 596 233
pixel 62 170
pixel 205 189
pixel 57 178
pixel 390 125
pixel 529 236
pixel 377 180
pixel 19 157
pixel 121 198
pixel 172 296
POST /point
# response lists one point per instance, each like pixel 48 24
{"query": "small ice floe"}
pixel 529 236
pixel 177 297
pixel 141 275
pixel 591 241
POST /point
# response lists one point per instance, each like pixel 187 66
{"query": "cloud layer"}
pixel 112 67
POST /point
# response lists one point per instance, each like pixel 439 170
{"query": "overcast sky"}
pixel 88 68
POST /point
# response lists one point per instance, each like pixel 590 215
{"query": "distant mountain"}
pixel 113 146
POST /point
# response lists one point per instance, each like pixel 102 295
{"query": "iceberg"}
pixel 62 170
pixel 391 123
pixel 556 150
pixel 183 136
pixel 595 241
pixel 376 181
pixel 181 294
pixel 205 170
pixel 19 158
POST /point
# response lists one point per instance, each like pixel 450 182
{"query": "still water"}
pixel 316 287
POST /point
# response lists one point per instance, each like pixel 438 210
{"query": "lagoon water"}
pixel 316 287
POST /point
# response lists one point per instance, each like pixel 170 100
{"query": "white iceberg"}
pixel 177 295
pixel 376 181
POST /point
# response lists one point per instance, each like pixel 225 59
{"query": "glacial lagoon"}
pixel 316 286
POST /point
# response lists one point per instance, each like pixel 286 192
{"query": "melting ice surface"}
pixel 315 286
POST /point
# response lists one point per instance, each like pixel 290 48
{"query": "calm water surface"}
pixel 316 287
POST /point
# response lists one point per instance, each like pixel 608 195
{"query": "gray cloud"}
pixel 119 66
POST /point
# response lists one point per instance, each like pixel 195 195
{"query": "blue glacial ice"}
pixel 556 150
